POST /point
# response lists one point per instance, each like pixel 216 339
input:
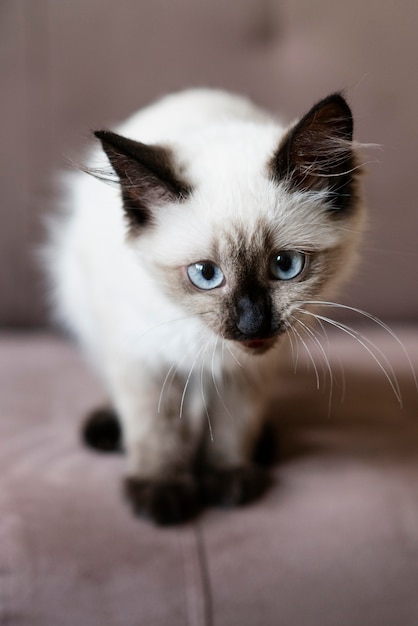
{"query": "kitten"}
pixel 182 280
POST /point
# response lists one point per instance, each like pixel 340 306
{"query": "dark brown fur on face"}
pixel 249 310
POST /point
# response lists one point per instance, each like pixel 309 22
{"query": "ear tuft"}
pixel 317 153
pixel 146 173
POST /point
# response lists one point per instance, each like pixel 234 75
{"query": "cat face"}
pixel 248 282
pixel 243 242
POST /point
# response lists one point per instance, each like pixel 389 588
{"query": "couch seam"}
pixel 196 579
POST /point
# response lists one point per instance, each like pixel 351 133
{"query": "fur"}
pixel 201 176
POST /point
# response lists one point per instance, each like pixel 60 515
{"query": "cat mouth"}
pixel 258 346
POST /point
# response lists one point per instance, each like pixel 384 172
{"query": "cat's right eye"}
pixel 205 275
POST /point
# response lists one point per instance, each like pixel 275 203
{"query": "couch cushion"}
pixel 334 541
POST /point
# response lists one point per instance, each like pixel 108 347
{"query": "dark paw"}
pixel 102 431
pixel 164 502
pixel 233 486
pixel 266 452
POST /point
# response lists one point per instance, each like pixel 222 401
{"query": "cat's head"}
pixel 248 223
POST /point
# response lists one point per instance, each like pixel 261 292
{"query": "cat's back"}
pixel 188 112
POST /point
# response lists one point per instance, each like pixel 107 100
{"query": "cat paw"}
pixel 165 502
pixel 102 431
pixel 228 487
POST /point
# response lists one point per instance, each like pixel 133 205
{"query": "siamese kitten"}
pixel 182 279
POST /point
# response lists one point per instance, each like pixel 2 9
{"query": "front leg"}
pixel 228 475
pixel 160 447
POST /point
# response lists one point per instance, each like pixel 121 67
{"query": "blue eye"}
pixel 205 275
pixel 287 264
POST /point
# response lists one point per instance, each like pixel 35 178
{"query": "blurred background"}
pixel 66 67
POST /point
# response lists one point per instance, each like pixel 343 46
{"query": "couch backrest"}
pixel 66 67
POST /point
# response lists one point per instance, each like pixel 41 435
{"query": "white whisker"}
pixel 215 384
pixel 391 378
pixel 289 338
pixel 340 364
pixel 295 356
pixel 164 384
pixel 309 354
pixel 175 367
pixel 325 355
pixel 295 349
pixel 233 355
pixel 326 361
pixel 321 348
pixel 375 320
pixel 186 384
pixel 202 392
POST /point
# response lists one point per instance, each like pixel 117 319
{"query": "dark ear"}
pixel 317 153
pixel 146 174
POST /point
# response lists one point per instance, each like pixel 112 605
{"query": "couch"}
pixel 334 540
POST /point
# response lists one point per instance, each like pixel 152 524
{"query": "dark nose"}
pixel 253 317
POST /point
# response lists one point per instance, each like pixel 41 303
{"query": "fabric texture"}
pixel 333 541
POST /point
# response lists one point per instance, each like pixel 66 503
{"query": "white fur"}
pixel 107 293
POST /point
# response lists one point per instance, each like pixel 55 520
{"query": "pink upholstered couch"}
pixel 334 542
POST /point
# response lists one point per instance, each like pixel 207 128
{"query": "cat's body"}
pixel 182 291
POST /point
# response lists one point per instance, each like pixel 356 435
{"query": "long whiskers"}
pixel 202 392
pixel 375 320
pixel 387 369
pixel 215 384
pixel 174 366
pixel 202 355
pixel 325 358
pixel 172 371
pixel 309 353
pixel 311 333
pixel 186 384
pixel 294 347
pixel 232 353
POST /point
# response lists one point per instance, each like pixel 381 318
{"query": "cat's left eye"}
pixel 205 275
pixel 287 264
